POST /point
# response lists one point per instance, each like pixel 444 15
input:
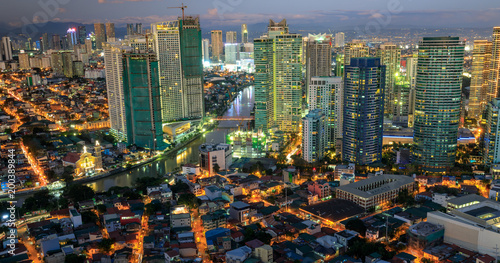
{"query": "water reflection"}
pixel 242 106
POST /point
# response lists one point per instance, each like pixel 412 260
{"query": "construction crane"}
pixel 181 7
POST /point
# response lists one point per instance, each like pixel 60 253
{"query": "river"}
pixel 241 106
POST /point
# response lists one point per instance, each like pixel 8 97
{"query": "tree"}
pixel 89 217
pixel 356 225
pixel 39 201
pixel 189 200
pixel 105 245
pixel 216 168
pixel 80 192
pixel 73 258
pixel 152 208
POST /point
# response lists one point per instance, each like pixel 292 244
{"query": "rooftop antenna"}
pixel 181 7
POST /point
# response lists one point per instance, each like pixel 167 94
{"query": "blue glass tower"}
pixel 364 84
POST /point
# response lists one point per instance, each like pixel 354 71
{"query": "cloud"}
pixel 62 10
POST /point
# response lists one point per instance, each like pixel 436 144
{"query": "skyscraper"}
pixel 492 133
pixel 24 60
pixel 56 42
pixel 113 62
pixel 6 49
pixel 231 51
pixel 364 85
pixel 318 56
pixel 278 74
pixel 339 39
pixel 206 49
pixel 110 32
pixel 179 51
pixel 411 77
pixel 82 34
pixel 437 103
pixel 45 42
pixel 390 56
pixel 217 45
pixel 326 93
pixel 244 33
pixel 231 37
pixel 142 101
pixel 495 65
pixel 130 29
pixel 138 28
pixel 100 35
pixel 400 101
pixel 481 62
pixel 314 136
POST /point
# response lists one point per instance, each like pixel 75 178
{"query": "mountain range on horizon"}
pixel 255 30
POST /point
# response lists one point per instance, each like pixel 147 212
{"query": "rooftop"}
pixel 424 228
pixel 335 209
pixel 376 185
pixel 466 199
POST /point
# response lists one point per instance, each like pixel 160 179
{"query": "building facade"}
pixel 364 85
pixel 493 88
pixel 318 57
pixel 326 93
pixel 142 101
pixel 100 35
pixel 110 32
pixel 217 46
pixel 314 136
pixel 244 33
pixel 231 37
pixel 178 48
pixel 492 133
pixel 481 63
pixel 278 75
pixel 212 155
pixel 437 104
pixel 390 56
pixel 375 191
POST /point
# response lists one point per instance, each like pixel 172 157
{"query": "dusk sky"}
pixel 446 13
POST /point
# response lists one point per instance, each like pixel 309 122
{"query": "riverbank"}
pixel 160 158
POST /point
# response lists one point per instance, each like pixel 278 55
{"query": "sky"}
pixel 334 13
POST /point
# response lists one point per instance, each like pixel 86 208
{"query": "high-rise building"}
pixel 88 45
pixel 318 57
pixel 56 61
pixel 130 29
pixel 82 34
pixel 278 75
pixel 355 50
pixel 411 77
pixel 6 49
pixel 437 101
pixel 231 37
pixel 206 49
pixel 494 78
pixel 45 42
pixel 68 64
pixel 113 62
pixel 339 39
pixel 314 139
pixel 24 61
pixel 390 56
pixel 138 28
pixel 142 101
pixel 481 62
pixel 492 133
pixel 364 85
pixel 110 32
pixel 326 93
pixel 400 101
pixel 244 33
pixel 56 42
pixel 231 50
pixel 179 52
pixel 217 45
pixel 100 35
pixel 72 36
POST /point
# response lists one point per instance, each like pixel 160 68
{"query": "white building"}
pixel 181 87
pixel 339 39
pixel 206 49
pixel 475 227
pixel 76 218
pixel 314 136
pixel 238 255
pixel 114 84
pixel 231 53
pixel 215 154
pixel 441 199
pixel 326 93
pixel 6 49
